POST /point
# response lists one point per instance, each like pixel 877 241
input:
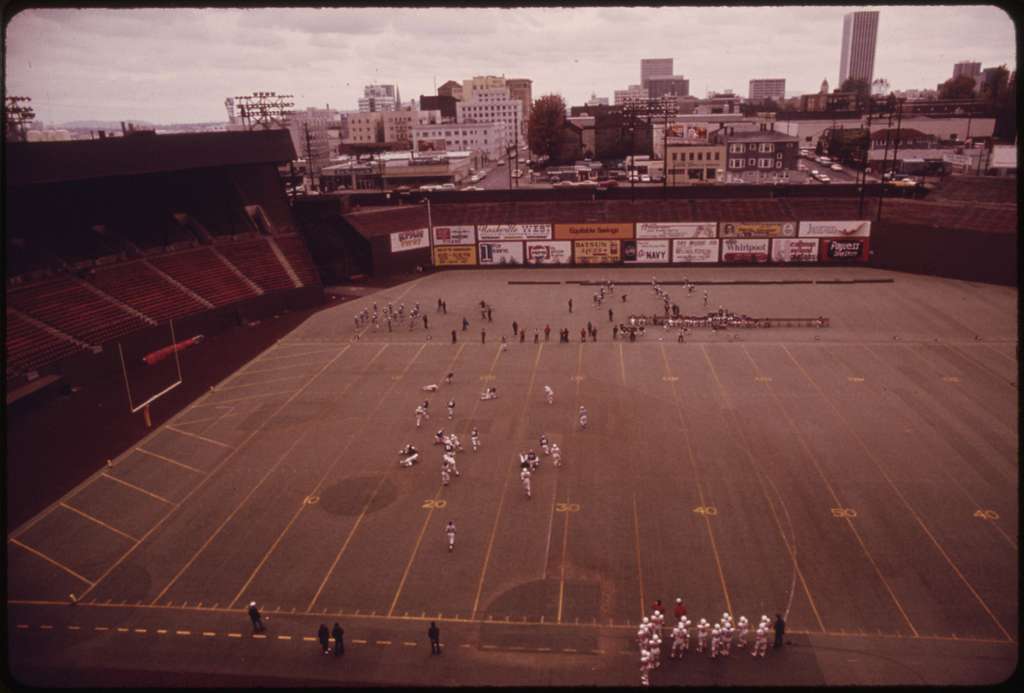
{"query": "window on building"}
pixel 695 173
pixel 675 156
pixel 709 174
pixel 751 147
pixel 700 156
pixel 767 147
pixel 735 163
pixel 751 162
pixel 764 163
pixel 691 156
pixel 716 156
pixel 778 164
pixel 737 148
pixel 779 155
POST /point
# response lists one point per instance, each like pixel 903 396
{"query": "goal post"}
pixel 153 380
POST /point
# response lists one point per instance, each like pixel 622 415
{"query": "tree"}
pixel 860 87
pixel 961 87
pixel 546 120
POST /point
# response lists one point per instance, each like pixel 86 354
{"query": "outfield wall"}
pixel 640 243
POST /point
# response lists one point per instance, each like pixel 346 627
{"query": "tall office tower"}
pixel 654 67
pixel 857 53
pixel 968 69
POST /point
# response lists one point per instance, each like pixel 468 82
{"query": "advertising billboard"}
pixel 454 235
pixel 454 255
pixel 513 232
pixel 744 250
pixel 695 250
pixel 794 250
pixel 595 231
pixel 707 229
pixel 409 240
pixel 835 229
pixel 844 250
pixel 501 253
pixel 645 251
pixel 757 229
pixel 598 252
pixel 548 252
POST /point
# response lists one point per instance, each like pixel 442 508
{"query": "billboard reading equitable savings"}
pixel 605 232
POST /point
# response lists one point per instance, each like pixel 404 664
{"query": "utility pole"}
pixel 309 158
pixel 864 165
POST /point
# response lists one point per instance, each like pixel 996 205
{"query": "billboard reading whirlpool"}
pixel 745 250
pixel 409 240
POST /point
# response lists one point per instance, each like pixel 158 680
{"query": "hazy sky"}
pixel 178 65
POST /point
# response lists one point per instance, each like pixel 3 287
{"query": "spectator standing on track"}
pixel 450 531
pixel 583 334
pixel 453 337
pixel 254 616
pixel 611 315
pixel 324 636
pixel 780 630
pixel 489 318
pixel 547 332
pixel 434 633
pixel 705 298
pixel 338 633
pixel 465 324
pixel 522 336
pixel 438 305
pixel 425 322
pixel 570 305
pixel 483 336
pixel 515 328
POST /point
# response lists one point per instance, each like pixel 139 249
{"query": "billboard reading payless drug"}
pixel 409 240
pixel 548 252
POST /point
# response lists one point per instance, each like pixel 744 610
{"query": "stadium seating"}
pixel 30 347
pixel 203 272
pixel 139 286
pixel 257 260
pixel 294 249
pixel 64 303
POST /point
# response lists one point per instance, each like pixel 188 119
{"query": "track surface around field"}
pixel 860 479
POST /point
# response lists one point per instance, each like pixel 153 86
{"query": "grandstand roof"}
pixel 52 162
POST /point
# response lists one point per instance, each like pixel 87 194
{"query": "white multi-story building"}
pixel 596 100
pixel 634 92
pixel 379 97
pixel 491 105
pixel 469 86
pixel 487 138
pixel 763 89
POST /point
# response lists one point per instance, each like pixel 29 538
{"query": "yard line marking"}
pixel 504 488
pixel 547 544
pixel 408 644
pixel 222 402
pixel 358 642
pixel 228 519
pixel 138 488
pixel 170 427
pixel 274 370
pixel 835 497
pixel 49 627
pixel 161 631
pixel 639 565
pixel 284 637
pixel 291 356
pixel 98 521
pixel 383 642
pixel 565 544
pixel 50 560
pixel 762 478
pixel 234 635
pixel 100 628
pixel 326 473
pixel 168 459
pixel 373 495
pixel 140 630
pixel 208 634
pixel 74 628
pixel 219 466
pixel 230 412
pixel 906 503
pixel 699 485
pixel 259 636
pixel 979 364
pixel 260 384
pixel 183 632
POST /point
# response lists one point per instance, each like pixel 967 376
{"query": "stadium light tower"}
pixel 17 117
pixel 264 110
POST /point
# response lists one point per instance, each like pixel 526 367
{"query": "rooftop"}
pixel 773 135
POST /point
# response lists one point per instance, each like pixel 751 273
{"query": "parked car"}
pixel 472 187
pixel 501 162
pixel 836 167
pixel 645 178
pixel 824 179
pixel 814 172
pixel 447 186
pixel 564 184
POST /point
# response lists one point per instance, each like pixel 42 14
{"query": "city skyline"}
pixel 178 65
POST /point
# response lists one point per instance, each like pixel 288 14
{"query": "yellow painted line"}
pixel 501 500
pixel 234 635
pixel 208 634
pixel 49 627
pixel 50 560
pixel 168 459
pixel 97 521
pixel 383 642
pixel 259 636
pixel 906 503
pixel 320 482
pixel 359 642
pixel 141 630
pixel 810 455
pixel 161 631
pixel 100 628
pixel 137 488
pixel 639 565
pixel 309 638
pixel 74 628
pixel 170 427
pixel 565 544
pixel 284 637
pixel 265 382
pixel 227 519
pixel 409 644
pixel 222 402
pixel 183 632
